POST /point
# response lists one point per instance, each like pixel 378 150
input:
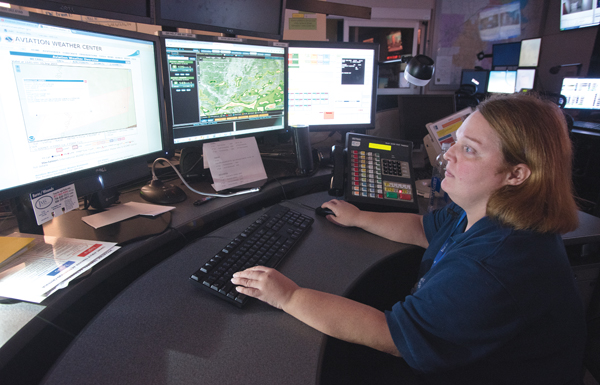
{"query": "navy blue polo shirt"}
pixel 500 307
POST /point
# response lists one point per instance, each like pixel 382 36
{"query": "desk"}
pixel 162 329
pixel 150 332
pixel 34 334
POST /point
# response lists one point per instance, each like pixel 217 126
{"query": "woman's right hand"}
pixel 346 214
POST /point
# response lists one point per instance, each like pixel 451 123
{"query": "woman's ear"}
pixel 518 174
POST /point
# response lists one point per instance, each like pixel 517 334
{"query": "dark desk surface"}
pixel 29 328
pixel 162 329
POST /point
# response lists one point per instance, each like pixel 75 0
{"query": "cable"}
pixel 257 189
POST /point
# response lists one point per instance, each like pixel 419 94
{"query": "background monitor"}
pixel 222 87
pixel 525 79
pixel 502 82
pixel 530 52
pixel 578 14
pixel 581 94
pixel 139 11
pixel 79 103
pixel 416 111
pixel 477 78
pixel 332 86
pixel 262 18
pixel 506 54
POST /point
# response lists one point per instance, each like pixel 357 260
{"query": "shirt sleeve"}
pixel 457 317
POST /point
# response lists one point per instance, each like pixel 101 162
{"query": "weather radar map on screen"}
pixel 223 88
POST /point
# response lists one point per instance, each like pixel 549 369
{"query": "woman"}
pixel 495 301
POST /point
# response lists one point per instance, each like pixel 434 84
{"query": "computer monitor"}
pixel 530 52
pixel 578 14
pixel 222 87
pixel 581 94
pixel 261 18
pixel 525 79
pixel 332 86
pixel 416 111
pixel 506 55
pixel 80 103
pixel 477 78
pixel 502 82
pixel 139 11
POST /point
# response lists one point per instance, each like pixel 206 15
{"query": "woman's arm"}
pixel 333 315
pixel 399 227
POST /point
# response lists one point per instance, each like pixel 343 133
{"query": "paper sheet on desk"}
pixel 234 163
pixel 50 265
pixel 125 211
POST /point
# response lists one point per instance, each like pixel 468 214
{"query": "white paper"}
pixel 235 163
pixel 49 265
pixel 125 211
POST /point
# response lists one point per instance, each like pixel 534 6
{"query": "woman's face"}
pixel 474 164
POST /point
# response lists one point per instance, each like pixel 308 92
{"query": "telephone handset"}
pixel 375 173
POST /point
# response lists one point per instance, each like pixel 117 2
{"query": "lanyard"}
pixel 449 241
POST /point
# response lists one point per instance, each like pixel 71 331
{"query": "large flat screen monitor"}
pixel 479 79
pixel 261 18
pixel 332 86
pixel 525 79
pixel 506 55
pixel 581 94
pixel 503 82
pixel 530 52
pixel 222 87
pixel 578 14
pixel 139 11
pixel 79 103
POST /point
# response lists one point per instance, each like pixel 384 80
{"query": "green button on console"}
pixel 391 195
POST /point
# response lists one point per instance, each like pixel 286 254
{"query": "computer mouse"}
pixel 323 211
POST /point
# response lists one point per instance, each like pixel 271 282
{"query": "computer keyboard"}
pixel 265 242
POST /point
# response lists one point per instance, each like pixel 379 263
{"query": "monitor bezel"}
pixel 87 181
pixel 148 18
pixel 227 30
pixel 345 45
pixel 167 92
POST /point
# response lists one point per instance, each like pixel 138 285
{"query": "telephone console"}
pixel 375 174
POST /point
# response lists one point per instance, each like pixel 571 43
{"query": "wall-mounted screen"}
pixel 332 86
pixel 525 79
pixel 220 87
pixel 139 11
pixel 477 78
pixel 506 55
pixel 581 94
pixel 261 18
pixel 578 14
pixel 530 52
pixel 502 82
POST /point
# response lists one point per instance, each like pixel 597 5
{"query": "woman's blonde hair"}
pixel 534 132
